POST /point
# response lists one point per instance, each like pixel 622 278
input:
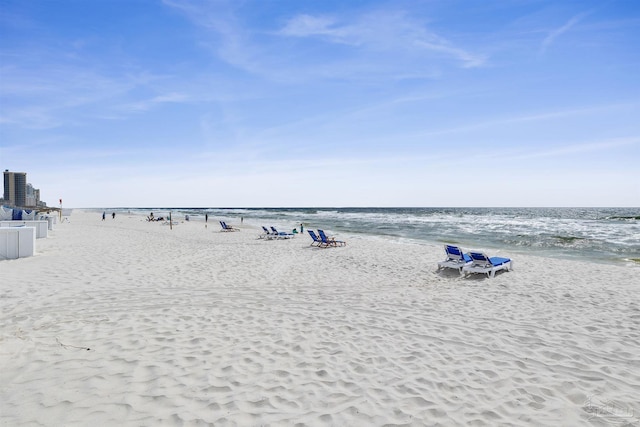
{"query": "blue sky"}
pixel 322 103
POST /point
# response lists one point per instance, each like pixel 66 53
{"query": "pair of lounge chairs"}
pixel 275 234
pixel 226 227
pixel 473 262
pixel 322 241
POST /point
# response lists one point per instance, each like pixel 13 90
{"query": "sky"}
pixel 309 103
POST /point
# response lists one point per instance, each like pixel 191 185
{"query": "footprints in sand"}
pixel 234 333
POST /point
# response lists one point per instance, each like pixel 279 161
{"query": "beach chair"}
pixel 226 227
pixel 280 234
pixel 482 264
pixel 316 240
pixel 266 234
pixel 456 258
pixel 330 241
pixel 230 228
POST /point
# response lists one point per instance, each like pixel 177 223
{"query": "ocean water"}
pixel 594 234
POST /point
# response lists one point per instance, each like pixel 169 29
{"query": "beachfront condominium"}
pixel 15 188
pixel 18 192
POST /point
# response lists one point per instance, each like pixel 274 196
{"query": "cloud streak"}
pixel 389 31
pixel 558 32
pixel 353 46
pixel 156 101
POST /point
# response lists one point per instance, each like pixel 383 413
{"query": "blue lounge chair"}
pixel 266 234
pixel 330 241
pixel 316 240
pixel 270 234
pixel 456 258
pixel 281 234
pixel 481 263
pixel 226 227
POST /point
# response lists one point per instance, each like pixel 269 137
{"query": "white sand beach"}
pixel 127 322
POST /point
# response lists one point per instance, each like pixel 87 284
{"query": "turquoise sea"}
pixel 594 234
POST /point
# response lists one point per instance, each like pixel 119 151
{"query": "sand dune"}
pixel 125 322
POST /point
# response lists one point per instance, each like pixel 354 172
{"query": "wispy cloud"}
pixel 70 91
pixel 557 32
pixel 378 44
pixel 572 150
pixel 535 117
pixel 307 25
pixel 391 31
pixel 156 101
pixel 227 37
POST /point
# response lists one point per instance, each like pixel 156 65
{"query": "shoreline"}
pixel 235 214
pixel 128 322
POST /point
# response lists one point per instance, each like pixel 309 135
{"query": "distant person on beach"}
pixel 206 218
pixel 104 215
pixel 113 215
pixel 301 228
